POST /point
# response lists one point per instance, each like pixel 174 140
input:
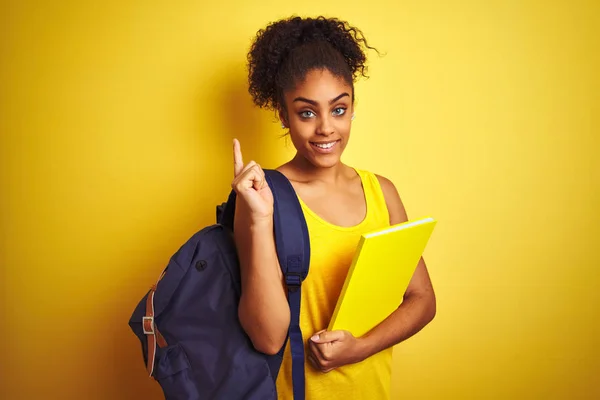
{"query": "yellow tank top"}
pixel 332 250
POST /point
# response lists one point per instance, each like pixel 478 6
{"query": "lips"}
pixel 325 147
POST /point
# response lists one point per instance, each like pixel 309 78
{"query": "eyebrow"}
pixel 314 103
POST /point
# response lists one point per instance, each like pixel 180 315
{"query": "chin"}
pixel 321 161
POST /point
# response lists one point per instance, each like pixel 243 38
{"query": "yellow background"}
pixel 116 123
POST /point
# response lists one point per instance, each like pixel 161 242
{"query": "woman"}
pixel 305 69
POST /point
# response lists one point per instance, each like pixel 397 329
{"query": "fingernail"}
pixel 315 338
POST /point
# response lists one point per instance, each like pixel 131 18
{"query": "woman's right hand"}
pixel 252 191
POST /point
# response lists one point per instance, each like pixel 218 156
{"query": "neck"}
pixel 306 169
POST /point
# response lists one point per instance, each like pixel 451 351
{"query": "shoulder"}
pixel 392 198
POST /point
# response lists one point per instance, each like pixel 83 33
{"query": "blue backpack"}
pixel 193 344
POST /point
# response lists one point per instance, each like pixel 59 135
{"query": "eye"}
pixel 339 111
pixel 307 114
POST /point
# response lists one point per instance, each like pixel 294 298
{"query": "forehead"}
pixel 320 85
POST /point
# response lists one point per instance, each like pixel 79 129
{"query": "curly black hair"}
pixel 286 50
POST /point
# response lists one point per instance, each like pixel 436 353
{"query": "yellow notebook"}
pixel 380 272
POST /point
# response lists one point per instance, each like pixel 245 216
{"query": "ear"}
pixel 284 120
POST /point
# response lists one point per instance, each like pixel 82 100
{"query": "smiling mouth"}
pixel 324 145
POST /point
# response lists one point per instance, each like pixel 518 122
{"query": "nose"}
pixel 325 126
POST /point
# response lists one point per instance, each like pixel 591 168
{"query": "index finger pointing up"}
pixel 238 162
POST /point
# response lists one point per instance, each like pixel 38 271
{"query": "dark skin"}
pixel 318 115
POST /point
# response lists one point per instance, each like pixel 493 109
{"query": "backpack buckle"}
pixel 148 325
pixel 293 280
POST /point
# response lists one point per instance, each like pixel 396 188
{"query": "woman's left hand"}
pixel 332 349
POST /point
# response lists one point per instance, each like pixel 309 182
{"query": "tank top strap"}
pixel 376 204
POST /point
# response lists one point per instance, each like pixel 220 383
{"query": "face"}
pixel 319 112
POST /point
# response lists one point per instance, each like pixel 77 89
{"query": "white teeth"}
pixel 325 146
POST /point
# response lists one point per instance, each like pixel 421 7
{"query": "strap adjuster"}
pixel 293 280
pixel 148 325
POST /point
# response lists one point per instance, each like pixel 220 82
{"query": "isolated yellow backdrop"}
pixel 116 123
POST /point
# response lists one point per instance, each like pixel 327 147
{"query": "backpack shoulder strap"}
pixel 291 231
pixel 293 252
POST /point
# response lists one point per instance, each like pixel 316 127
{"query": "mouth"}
pixel 325 147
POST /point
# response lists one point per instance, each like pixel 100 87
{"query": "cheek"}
pixel 343 128
pixel 300 131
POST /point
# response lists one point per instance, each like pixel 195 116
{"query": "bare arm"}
pixel 263 310
pixel 419 305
